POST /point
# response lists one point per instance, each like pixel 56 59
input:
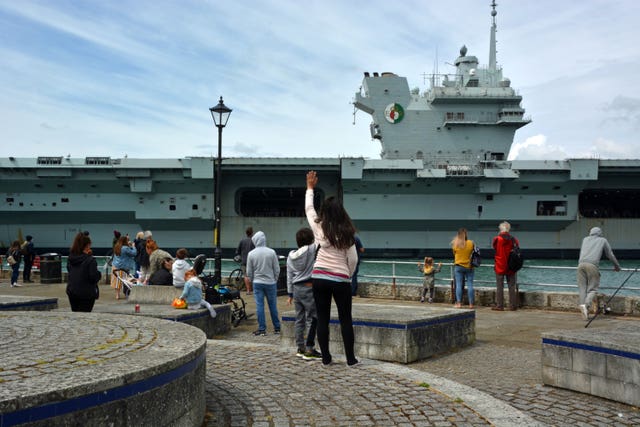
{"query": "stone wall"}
pixel 486 296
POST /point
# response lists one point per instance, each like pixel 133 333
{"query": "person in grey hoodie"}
pixel 262 275
pixel 300 290
pixel 588 273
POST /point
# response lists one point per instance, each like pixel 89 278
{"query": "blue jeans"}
pixel 15 272
pixel 261 290
pixel 460 273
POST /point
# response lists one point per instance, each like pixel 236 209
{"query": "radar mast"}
pixel 492 43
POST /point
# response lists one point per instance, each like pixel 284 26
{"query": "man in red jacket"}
pixel 502 244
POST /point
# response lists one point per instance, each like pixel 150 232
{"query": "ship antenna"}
pixel 492 46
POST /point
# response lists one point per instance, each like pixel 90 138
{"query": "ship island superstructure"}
pixel 444 165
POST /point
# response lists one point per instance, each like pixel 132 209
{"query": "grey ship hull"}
pixel 397 214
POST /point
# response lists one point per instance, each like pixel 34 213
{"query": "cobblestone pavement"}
pixel 253 381
pixel 262 385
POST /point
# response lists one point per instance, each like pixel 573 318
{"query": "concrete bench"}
pixel 27 303
pixel 397 333
pixel 603 363
pixel 155 301
pixel 97 369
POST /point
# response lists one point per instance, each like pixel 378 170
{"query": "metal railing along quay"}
pixel 533 276
pixel 530 277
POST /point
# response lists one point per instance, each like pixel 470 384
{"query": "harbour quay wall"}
pixel 486 296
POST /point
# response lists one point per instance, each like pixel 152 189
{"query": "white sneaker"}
pixel 16 285
pixel 585 312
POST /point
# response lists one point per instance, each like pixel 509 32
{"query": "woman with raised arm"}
pixel 335 263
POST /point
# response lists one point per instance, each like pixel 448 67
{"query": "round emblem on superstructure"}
pixel 394 113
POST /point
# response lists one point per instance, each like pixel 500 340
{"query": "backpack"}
pixel 476 259
pixel 515 260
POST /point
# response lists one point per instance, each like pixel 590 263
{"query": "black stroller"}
pixel 219 293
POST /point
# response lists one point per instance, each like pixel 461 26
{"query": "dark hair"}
pixel 151 245
pixel 182 253
pixel 29 238
pixel 304 236
pixel 15 244
pixel 249 231
pixel 336 224
pixel 79 243
pixel 122 241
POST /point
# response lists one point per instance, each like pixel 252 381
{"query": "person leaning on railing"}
pixel 588 273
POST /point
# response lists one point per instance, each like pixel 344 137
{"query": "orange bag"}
pixel 179 303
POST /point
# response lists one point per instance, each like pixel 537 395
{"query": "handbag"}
pixel 178 303
pixel 476 259
pixel 11 260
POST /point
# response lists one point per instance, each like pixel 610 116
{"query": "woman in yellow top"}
pixel 462 249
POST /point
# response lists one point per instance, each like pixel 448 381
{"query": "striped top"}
pixel 331 263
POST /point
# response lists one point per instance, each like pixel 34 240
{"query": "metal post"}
pixel 217 254
pixel 220 114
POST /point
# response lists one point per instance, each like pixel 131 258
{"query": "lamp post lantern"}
pixel 220 114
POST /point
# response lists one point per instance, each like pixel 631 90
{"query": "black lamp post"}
pixel 220 114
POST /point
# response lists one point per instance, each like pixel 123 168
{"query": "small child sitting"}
pixel 429 272
pixel 300 290
pixel 192 293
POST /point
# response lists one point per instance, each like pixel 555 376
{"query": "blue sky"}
pixel 136 78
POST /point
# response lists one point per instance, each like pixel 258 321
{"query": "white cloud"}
pixel 536 148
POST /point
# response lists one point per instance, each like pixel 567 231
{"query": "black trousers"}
pixel 81 304
pixel 323 291
pixel 26 271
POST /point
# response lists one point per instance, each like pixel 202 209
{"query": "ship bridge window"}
pixel 609 203
pixel 97 160
pixel 552 208
pixel 49 160
pixel 274 201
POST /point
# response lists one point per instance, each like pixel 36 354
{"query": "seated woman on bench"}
pixel 163 276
